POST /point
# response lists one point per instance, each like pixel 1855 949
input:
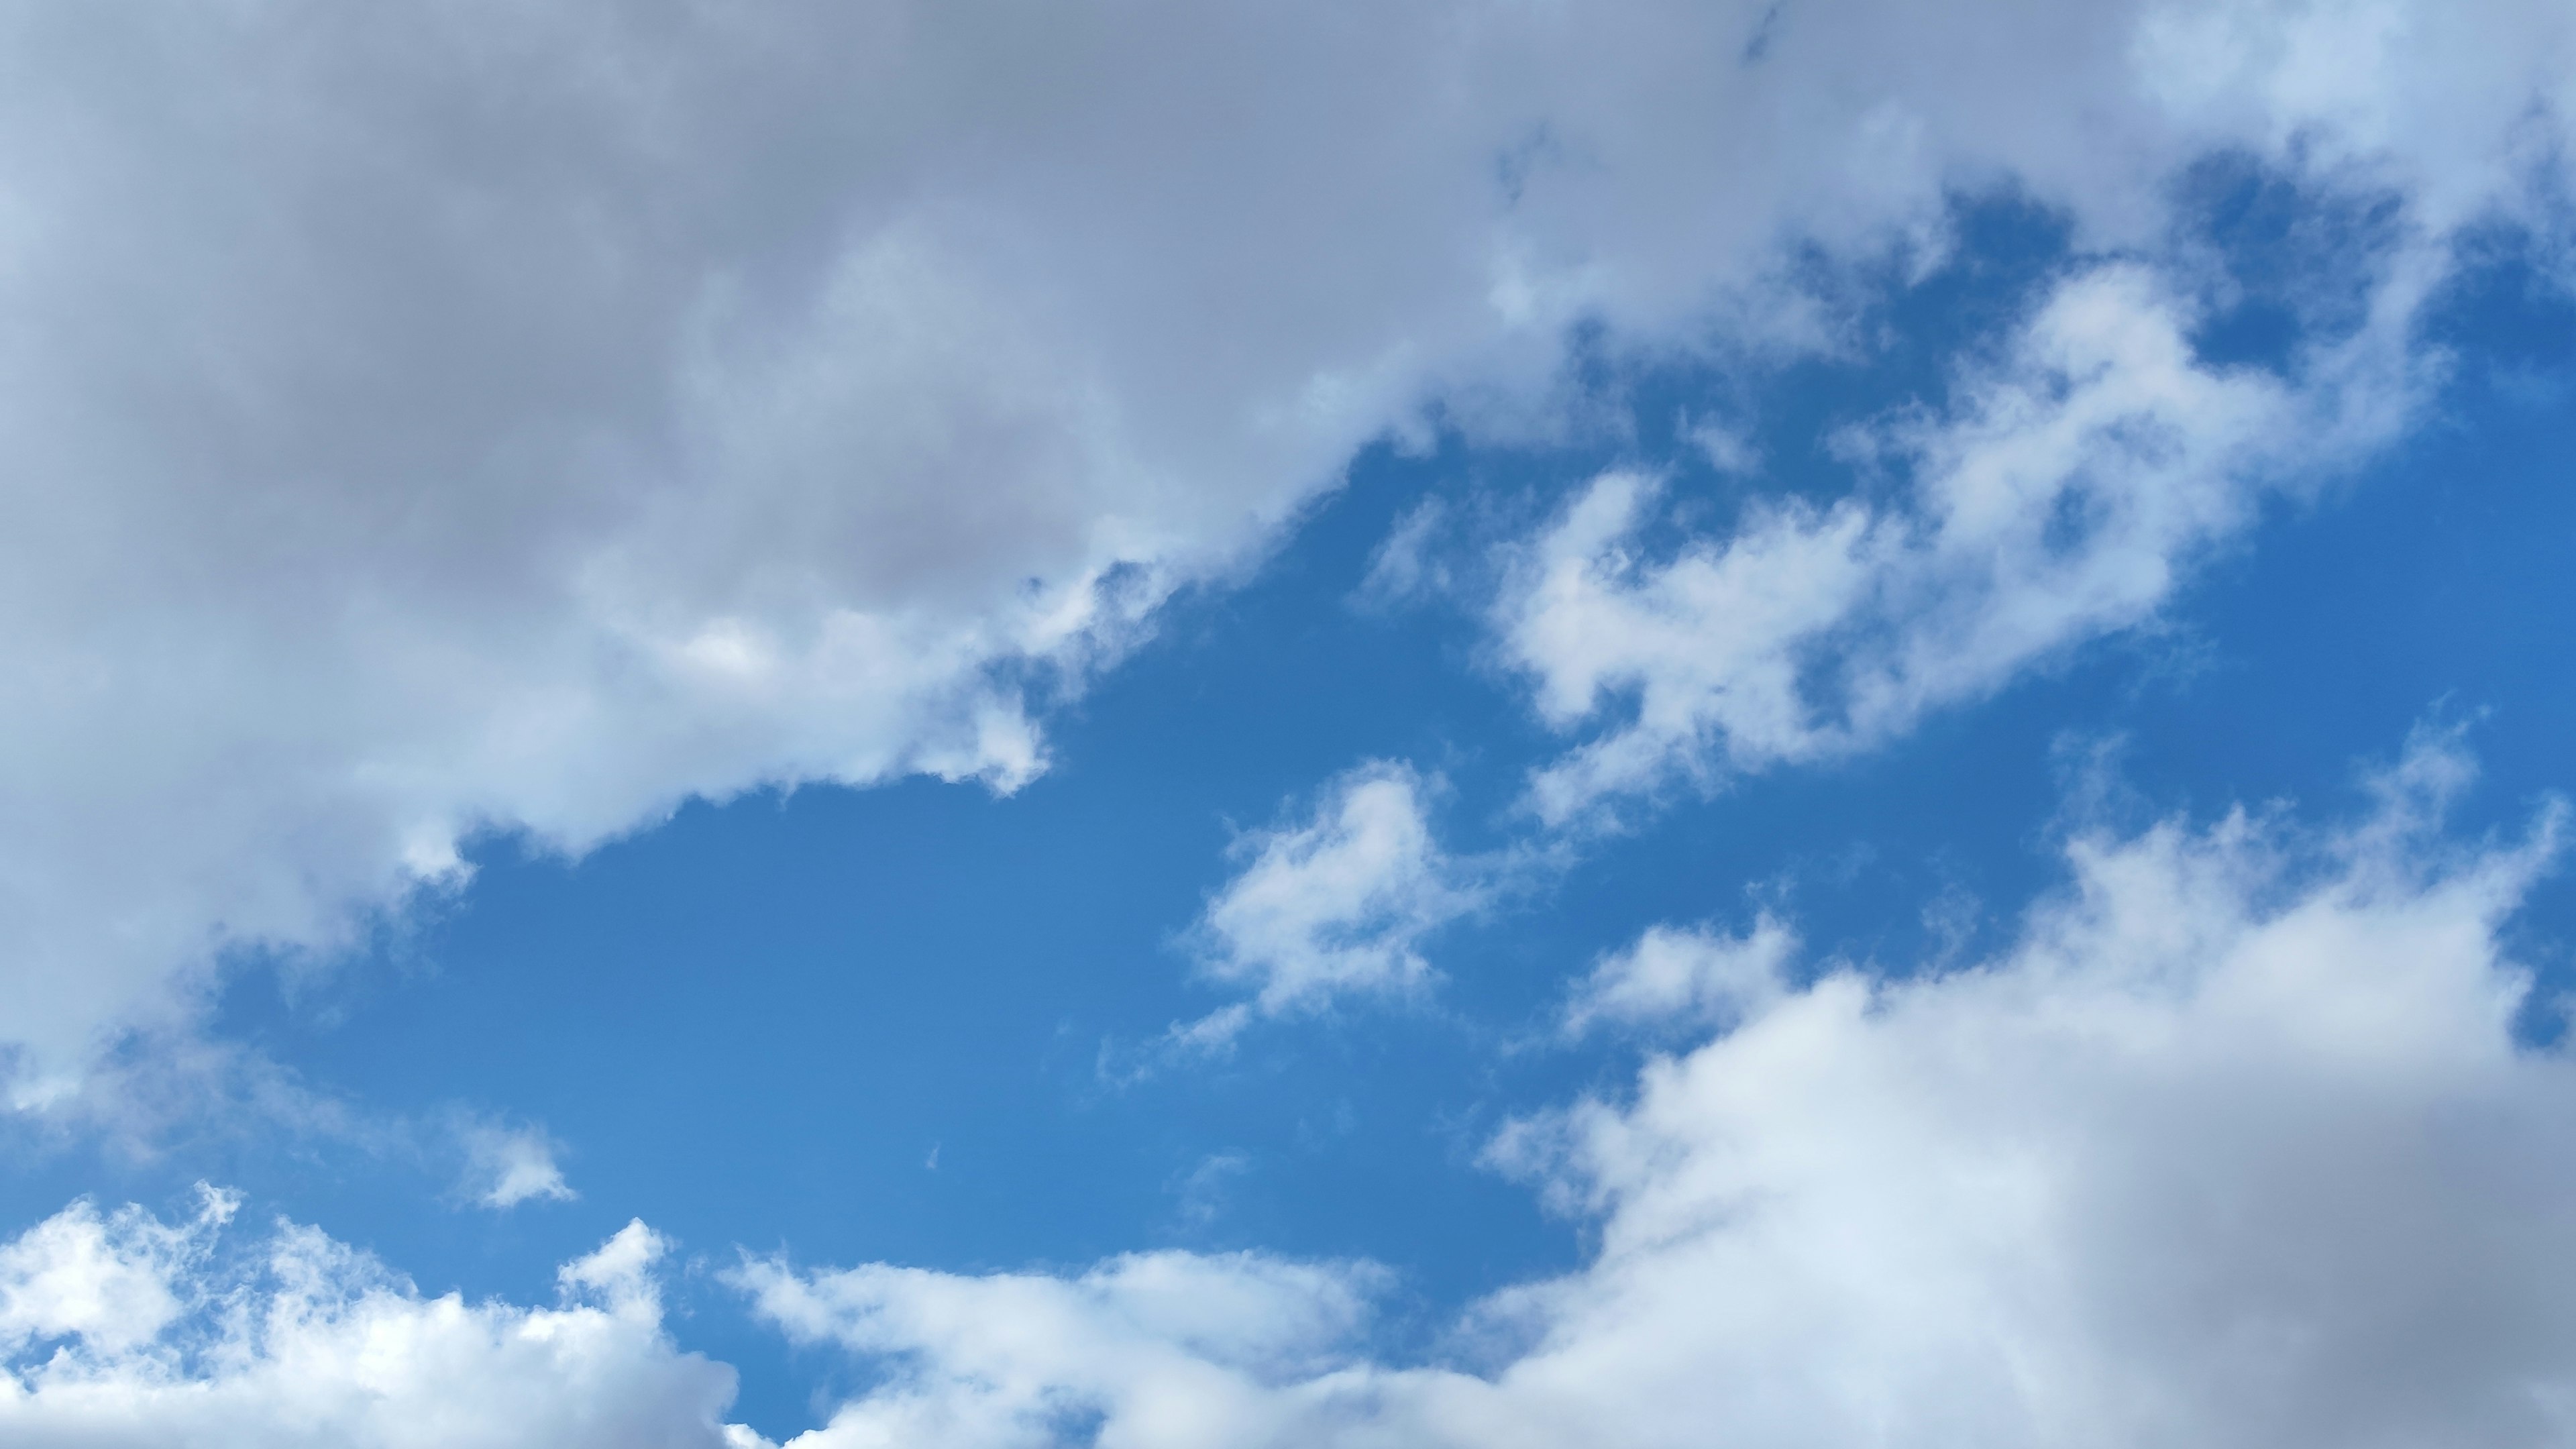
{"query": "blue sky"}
pixel 1435 726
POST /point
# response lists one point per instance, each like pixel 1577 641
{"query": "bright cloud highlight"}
pixel 121 1330
pixel 2066 497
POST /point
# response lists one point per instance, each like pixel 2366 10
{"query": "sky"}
pixel 1464 723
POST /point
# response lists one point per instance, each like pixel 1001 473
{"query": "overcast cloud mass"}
pixel 434 437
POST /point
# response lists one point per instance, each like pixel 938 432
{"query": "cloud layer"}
pixel 2065 496
pixel 424 422
pixel 506 1165
pixel 2235 1146
pixel 442 419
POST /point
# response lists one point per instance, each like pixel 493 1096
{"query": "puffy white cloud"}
pixel 1336 905
pixel 109 1281
pixel 506 1166
pixel 2237 1145
pixel 438 418
pixel 120 1329
pixel 2075 481
pixel 2066 496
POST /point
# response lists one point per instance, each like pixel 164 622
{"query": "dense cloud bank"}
pixel 487 416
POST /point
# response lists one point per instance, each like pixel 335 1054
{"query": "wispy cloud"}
pixel 123 1329
pixel 1334 905
pixel 748 445
pixel 509 1165
pixel 2067 495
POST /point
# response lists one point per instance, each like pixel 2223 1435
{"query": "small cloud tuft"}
pixel 506 1166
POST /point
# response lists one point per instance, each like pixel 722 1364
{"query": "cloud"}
pixel 2235 1145
pixel 506 1166
pixel 1153 1349
pixel 119 1329
pixel 1727 449
pixel 455 418
pixel 108 1281
pixel 1402 567
pixel 1334 906
pixel 1684 978
pixel 2065 496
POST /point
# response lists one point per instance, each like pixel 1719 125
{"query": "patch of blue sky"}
pixel 903 1023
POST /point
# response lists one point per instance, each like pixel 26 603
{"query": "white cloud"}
pixel 427 419
pixel 1150 1350
pixel 1334 906
pixel 506 1166
pixel 109 1281
pixel 2235 1146
pixel 2065 496
pixel 1728 450
pixel 1685 977
pixel 120 1330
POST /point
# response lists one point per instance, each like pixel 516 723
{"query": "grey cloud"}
pixel 426 419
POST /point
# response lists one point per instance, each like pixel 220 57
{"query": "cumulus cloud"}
pixel 2236 1145
pixel 120 1329
pixel 2065 496
pixel 435 419
pixel 1333 906
pixel 111 1281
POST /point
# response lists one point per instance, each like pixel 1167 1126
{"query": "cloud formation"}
pixel 440 419
pixel 1188 1347
pixel 422 422
pixel 1684 978
pixel 2066 495
pixel 1335 906
pixel 2236 1145
pixel 119 1329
